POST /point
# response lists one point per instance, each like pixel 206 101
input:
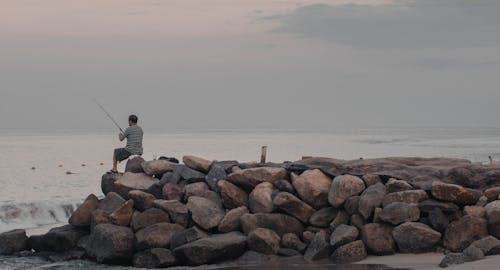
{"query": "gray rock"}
pixel 493 217
pixel 157 167
pixel 154 258
pixel 216 173
pixel 134 165
pixel 429 205
pixel 341 218
pixel 111 244
pixel 370 199
pixel 461 233
pixel 452 259
pixel 133 181
pixel 319 248
pixel 205 213
pixel 285 186
pixel 186 236
pixel 201 189
pixel 397 213
pixel 351 205
pixel 13 241
pixel 292 241
pixel 394 185
pixel 57 239
pixel 349 253
pixel 187 174
pixel 473 253
pixel 378 238
pixel 264 241
pixel 343 187
pixel 342 235
pixel 323 217
pixel 371 179
pixel 111 203
pixel 288 252
pixel 158 235
pixel 489 245
pixel 177 211
pixel 123 215
pixel 413 237
pixel 260 199
pixel 279 223
pixel 438 220
pixel 147 218
pixel 231 221
pixel 357 221
pixel 290 204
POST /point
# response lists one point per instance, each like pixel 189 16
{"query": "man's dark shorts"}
pixel 122 154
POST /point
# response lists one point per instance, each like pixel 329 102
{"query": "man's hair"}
pixel 133 118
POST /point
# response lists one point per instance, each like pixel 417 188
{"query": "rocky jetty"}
pixel 160 214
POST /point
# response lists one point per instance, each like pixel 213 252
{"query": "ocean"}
pixel 37 193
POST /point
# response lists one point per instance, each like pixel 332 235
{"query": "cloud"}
pixel 416 24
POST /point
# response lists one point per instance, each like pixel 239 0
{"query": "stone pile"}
pixel 160 213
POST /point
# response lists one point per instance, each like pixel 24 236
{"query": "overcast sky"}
pixel 250 63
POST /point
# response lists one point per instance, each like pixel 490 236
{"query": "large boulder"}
pixel 197 163
pixel 231 221
pixel 319 248
pixel 313 187
pixel 413 237
pixel 249 178
pixel 279 223
pixel 342 235
pixel 232 196
pixel 141 220
pixel 216 173
pixel 370 199
pixel 212 249
pixel 133 181
pixel 58 239
pixel 260 199
pixel 13 241
pixel 142 200
pixel 110 243
pixel 343 187
pixel 157 167
pixel 186 236
pixel 83 214
pixel 397 213
pixel 110 203
pixel 264 241
pixel 454 193
pixel 489 245
pixel 349 253
pixel 292 241
pixel 99 216
pixel 378 238
pixel 123 215
pixel 493 216
pixel 492 193
pixel 293 206
pixel 323 217
pixel 461 233
pixel 108 182
pixel 186 174
pixel 156 236
pixel 177 211
pixel 134 165
pixel 409 196
pixel 205 213
pixel 154 258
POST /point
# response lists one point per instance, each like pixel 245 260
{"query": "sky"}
pixel 249 64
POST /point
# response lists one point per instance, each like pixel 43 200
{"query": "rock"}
pixel 232 196
pixel 285 186
pixel 493 215
pixel 142 200
pixel 204 212
pixel 313 187
pixel 123 215
pixel 378 238
pixel 492 193
pixel 454 193
pixel 293 206
pixel 83 214
pixel 409 196
pixel 292 241
pixel 473 253
pixel 483 201
pixel 99 217
pixel 447 208
pixel 264 241
pixel 13 241
pixel 156 236
pixel 323 217
pixel 288 252
pixel 156 167
pixel 216 173
pixel 349 253
pixel 154 258
pixel 111 203
pixel 197 163
pixel 147 218
pixel 134 165
pixel 452 259
pixel 351 205
pixel 186 236
pixel 172 192
pixel 318 248
pixel 108 182
pixel 342 235
pixel 397 213
pixel 489 245
pixel 341 218
pixel 343 187
pixel 376 215
pixel 308 237
pixel 260 200
pixel 476 211
pixel 182 172
pixel 370 199
pixel 156 189
pixel 279 223
pixel 201 189
pixel 57 239
pixel 227 165
pixel 413 237
pixel 177 211
pixel 357 221
pixel 231 221
pixel 110 243
pixel 438 220
pixel 371 179
pixel 211 249
pixel 394 185
pixel 249 178
pixel 461 233
pixel 133 181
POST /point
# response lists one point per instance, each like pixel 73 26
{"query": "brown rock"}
pixel 197 163
pixel 231 221
pixel 154 258
pixel 157 167
pixel 370 199
pixel 172 191
pixel 123 215
pixel 349 253
pixel 351 205
pixel 378 238
pixel 260 200
pixel 279 223
pixel 397 213
pixel 134 165
pixel 204 212
pixel 357 221
pixel 413 237
pixel 293 206
pixel 133 181
pixel 110 243
pixel 492 193
pixel 342 235
pixel 313 187
pixel 147 218
pixel 291 240
pixel 341 218
pixel 343 187
pixel 99 216
pixel 201 189
pixel 323 217
pixel 394 185
pixel 232 196
pixel 156 236
pixel 249 178
pixel 142 200
pixel 409 196
pixel 177 211
pixel 461 233
pixel 264 241
pixel 371 179
pixel 454 193
pixel 493 216
pixel 186 236
pixel 476 211
pixel 319 248
pixel 83 214
pixel 111 203
pixel 489 245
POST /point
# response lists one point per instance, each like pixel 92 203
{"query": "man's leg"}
pixel 115 163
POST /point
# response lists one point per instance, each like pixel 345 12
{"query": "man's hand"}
pixel 121 136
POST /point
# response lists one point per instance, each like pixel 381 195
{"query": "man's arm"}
pixel 121 136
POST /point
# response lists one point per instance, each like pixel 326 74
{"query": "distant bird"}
pixel 83 165
pixel 102 163
pixel 33 168
pixel 69 172
pixel 60 166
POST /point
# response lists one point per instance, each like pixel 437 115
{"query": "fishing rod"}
pixel 107 113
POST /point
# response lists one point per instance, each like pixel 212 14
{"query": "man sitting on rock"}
pixel 134 135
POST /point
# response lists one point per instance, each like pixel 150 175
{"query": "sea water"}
pixel 36 192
